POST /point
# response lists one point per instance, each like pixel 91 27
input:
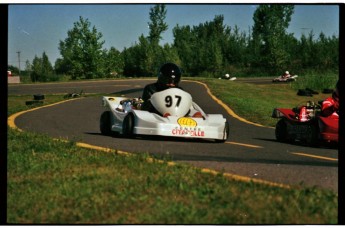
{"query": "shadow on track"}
pixel 324 145
pixel 155 138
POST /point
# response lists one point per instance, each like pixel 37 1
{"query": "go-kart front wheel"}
pixel 105 122
pixel 128 125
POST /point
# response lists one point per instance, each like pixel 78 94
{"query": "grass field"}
pixel 256 102
pixel 50 181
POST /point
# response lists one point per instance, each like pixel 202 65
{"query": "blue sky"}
pixel 34 28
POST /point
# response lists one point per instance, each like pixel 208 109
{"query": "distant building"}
pixel 12 79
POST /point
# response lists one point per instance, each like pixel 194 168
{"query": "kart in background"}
pixel 178 116
pixel 291 78
pixel 227 77
pixel 305 123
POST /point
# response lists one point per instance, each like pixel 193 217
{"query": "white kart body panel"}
pixel 281 79
pixel 174 101
pixel 178 124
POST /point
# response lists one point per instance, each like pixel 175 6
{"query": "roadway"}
pixel 251 151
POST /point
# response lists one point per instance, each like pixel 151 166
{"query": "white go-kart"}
pixel 291 78
pixel 178 116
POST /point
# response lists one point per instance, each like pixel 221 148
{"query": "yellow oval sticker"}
pixel 186 122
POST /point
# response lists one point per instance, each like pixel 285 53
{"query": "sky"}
pixel 37 28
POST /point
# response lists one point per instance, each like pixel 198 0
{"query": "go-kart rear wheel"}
pixel 281 131
pixel 128 125
pixel 105 122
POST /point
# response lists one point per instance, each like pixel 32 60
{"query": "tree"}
pixel 184 42
pixel 169 54
pixel 145 57
pixel 201 48
pixel 154 52
pixel 129 58
pixel 235 46
pixel 82 51
pixel 327 55
pixel 113 62
pixel 157 25
pixel 36 68
pixel 269 32
pixel 41 68
pixel 28 66
pixel 138 59
pixel 60 67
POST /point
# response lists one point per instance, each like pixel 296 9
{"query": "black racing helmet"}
pixel 169 73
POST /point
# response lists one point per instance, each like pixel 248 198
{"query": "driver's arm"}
pixel 147 93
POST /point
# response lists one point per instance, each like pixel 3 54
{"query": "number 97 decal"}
pixel 169 101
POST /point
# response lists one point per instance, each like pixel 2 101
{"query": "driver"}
pixel 286 74
pixel 169 76
pixel 330 106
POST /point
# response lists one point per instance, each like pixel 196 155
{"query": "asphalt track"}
pixel 250 152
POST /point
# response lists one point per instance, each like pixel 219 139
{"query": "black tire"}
pixel 312 136
pixel 128 125
pixel 281 131
pixel 38 97
pixel 105 123
pixel 225 133
pixel 327 91
pixel 311 91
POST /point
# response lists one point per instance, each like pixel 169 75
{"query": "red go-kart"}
pixel 305 123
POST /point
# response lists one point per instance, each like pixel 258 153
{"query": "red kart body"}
pixel 305 124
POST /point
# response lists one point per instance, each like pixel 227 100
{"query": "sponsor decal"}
pixel 188 131
pixel 188 127
pixel 186 122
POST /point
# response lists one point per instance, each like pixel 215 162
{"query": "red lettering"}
pixel 193 133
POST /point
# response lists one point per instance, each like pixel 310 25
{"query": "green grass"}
pixel 57 182
pixel 16 103
pixel 316 81
pixel 255 103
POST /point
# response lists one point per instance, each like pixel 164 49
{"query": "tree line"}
pixel 209 49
